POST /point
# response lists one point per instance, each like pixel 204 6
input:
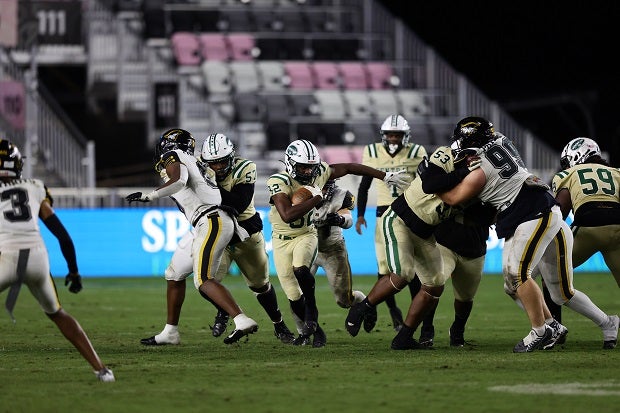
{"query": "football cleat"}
pixel 244 327
pixel 354 319
pixel 105 375
pixel 281 331
pixel 427 334
pixel 559 335
pixel 320 339
pixel 162 339
pixel 610 333
pixel 220 324
pixel 533 341
pixel 301 341
pixel 457 338
pixel 408 343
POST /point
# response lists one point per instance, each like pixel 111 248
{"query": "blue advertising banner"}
pixel 139 242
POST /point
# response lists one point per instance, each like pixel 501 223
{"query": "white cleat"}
pixel 610 333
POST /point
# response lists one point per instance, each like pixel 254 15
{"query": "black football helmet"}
pixel 472 132
pixel 175 139
pixel 11 162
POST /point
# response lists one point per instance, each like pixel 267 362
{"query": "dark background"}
pixel 551 64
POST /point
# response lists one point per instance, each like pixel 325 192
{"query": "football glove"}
pixel 400 179
pixel 137 196
pixel 334 219
pixel 74 281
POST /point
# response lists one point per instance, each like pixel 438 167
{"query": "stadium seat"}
pixel 277 107
pixel 248 107
pixel 353 75
pixel 236 20
pixel 331 104
pixel 299 74
pixel 379 75
pixel 325 75
pixel 290 20
pixel 214 46
pixel 358 104
pixel 413 103
pixel 242 46
pixel 186 48
pixel 303 104
pixel 384 103
pixel 217 77
pixel 271 75
pixel 363 132
pixel 245 77
pixel 278 136
pixel 321 133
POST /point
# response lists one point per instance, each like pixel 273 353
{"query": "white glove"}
pixel 473 163
pixel 400 179
pixel 314 190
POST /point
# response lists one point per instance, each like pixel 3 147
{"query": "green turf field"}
pixel 41 372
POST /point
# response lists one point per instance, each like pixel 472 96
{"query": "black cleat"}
pixel 370 319
pixel 405 344
pixel 220 324
pixel 533 341
pixel 301 341
pixel 281 331
pixel 320 339
pixel 457 338
pixel 397 318
pixel 354 319
pixel 427 335
pixel 244 328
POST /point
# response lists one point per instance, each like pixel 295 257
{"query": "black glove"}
pixel 75 281
pixel 137 196
pixel 334 219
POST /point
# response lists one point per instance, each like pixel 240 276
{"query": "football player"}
pixel 215 225
pixel 294 237
pixel 330 218
pixel 408 226
pixel 393 153
pixel 531 223
pixel 235 178
pixel 589 187
pixel 25 258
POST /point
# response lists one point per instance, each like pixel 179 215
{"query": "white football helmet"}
pixel 578 151
pixel 302 161
pixel 218 149
pixel 395 123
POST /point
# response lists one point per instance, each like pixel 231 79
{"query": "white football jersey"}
pixel 505 173
pixel 200 189
pixel 20 201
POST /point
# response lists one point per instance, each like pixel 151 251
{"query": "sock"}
pixel 269 302
pixel 540 331
pixel 169 329
pixel 582 304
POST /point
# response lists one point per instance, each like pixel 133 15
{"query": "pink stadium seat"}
pixel 379 75
pixel 241 46
pixel 353 75
pixel 299 75
pixel 326 75
pixel 186 48
pixel 214 46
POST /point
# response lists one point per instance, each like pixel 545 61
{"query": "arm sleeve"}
pixel 438 180
pixel 239 197
pixel 66 243
pixel 362 195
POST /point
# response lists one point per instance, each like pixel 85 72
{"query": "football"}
pixel 300 196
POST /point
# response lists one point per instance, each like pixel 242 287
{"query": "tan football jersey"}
pixel 243 172
pixel 588 183
pixel 282 182
pixel 429 207
pixel 407 159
